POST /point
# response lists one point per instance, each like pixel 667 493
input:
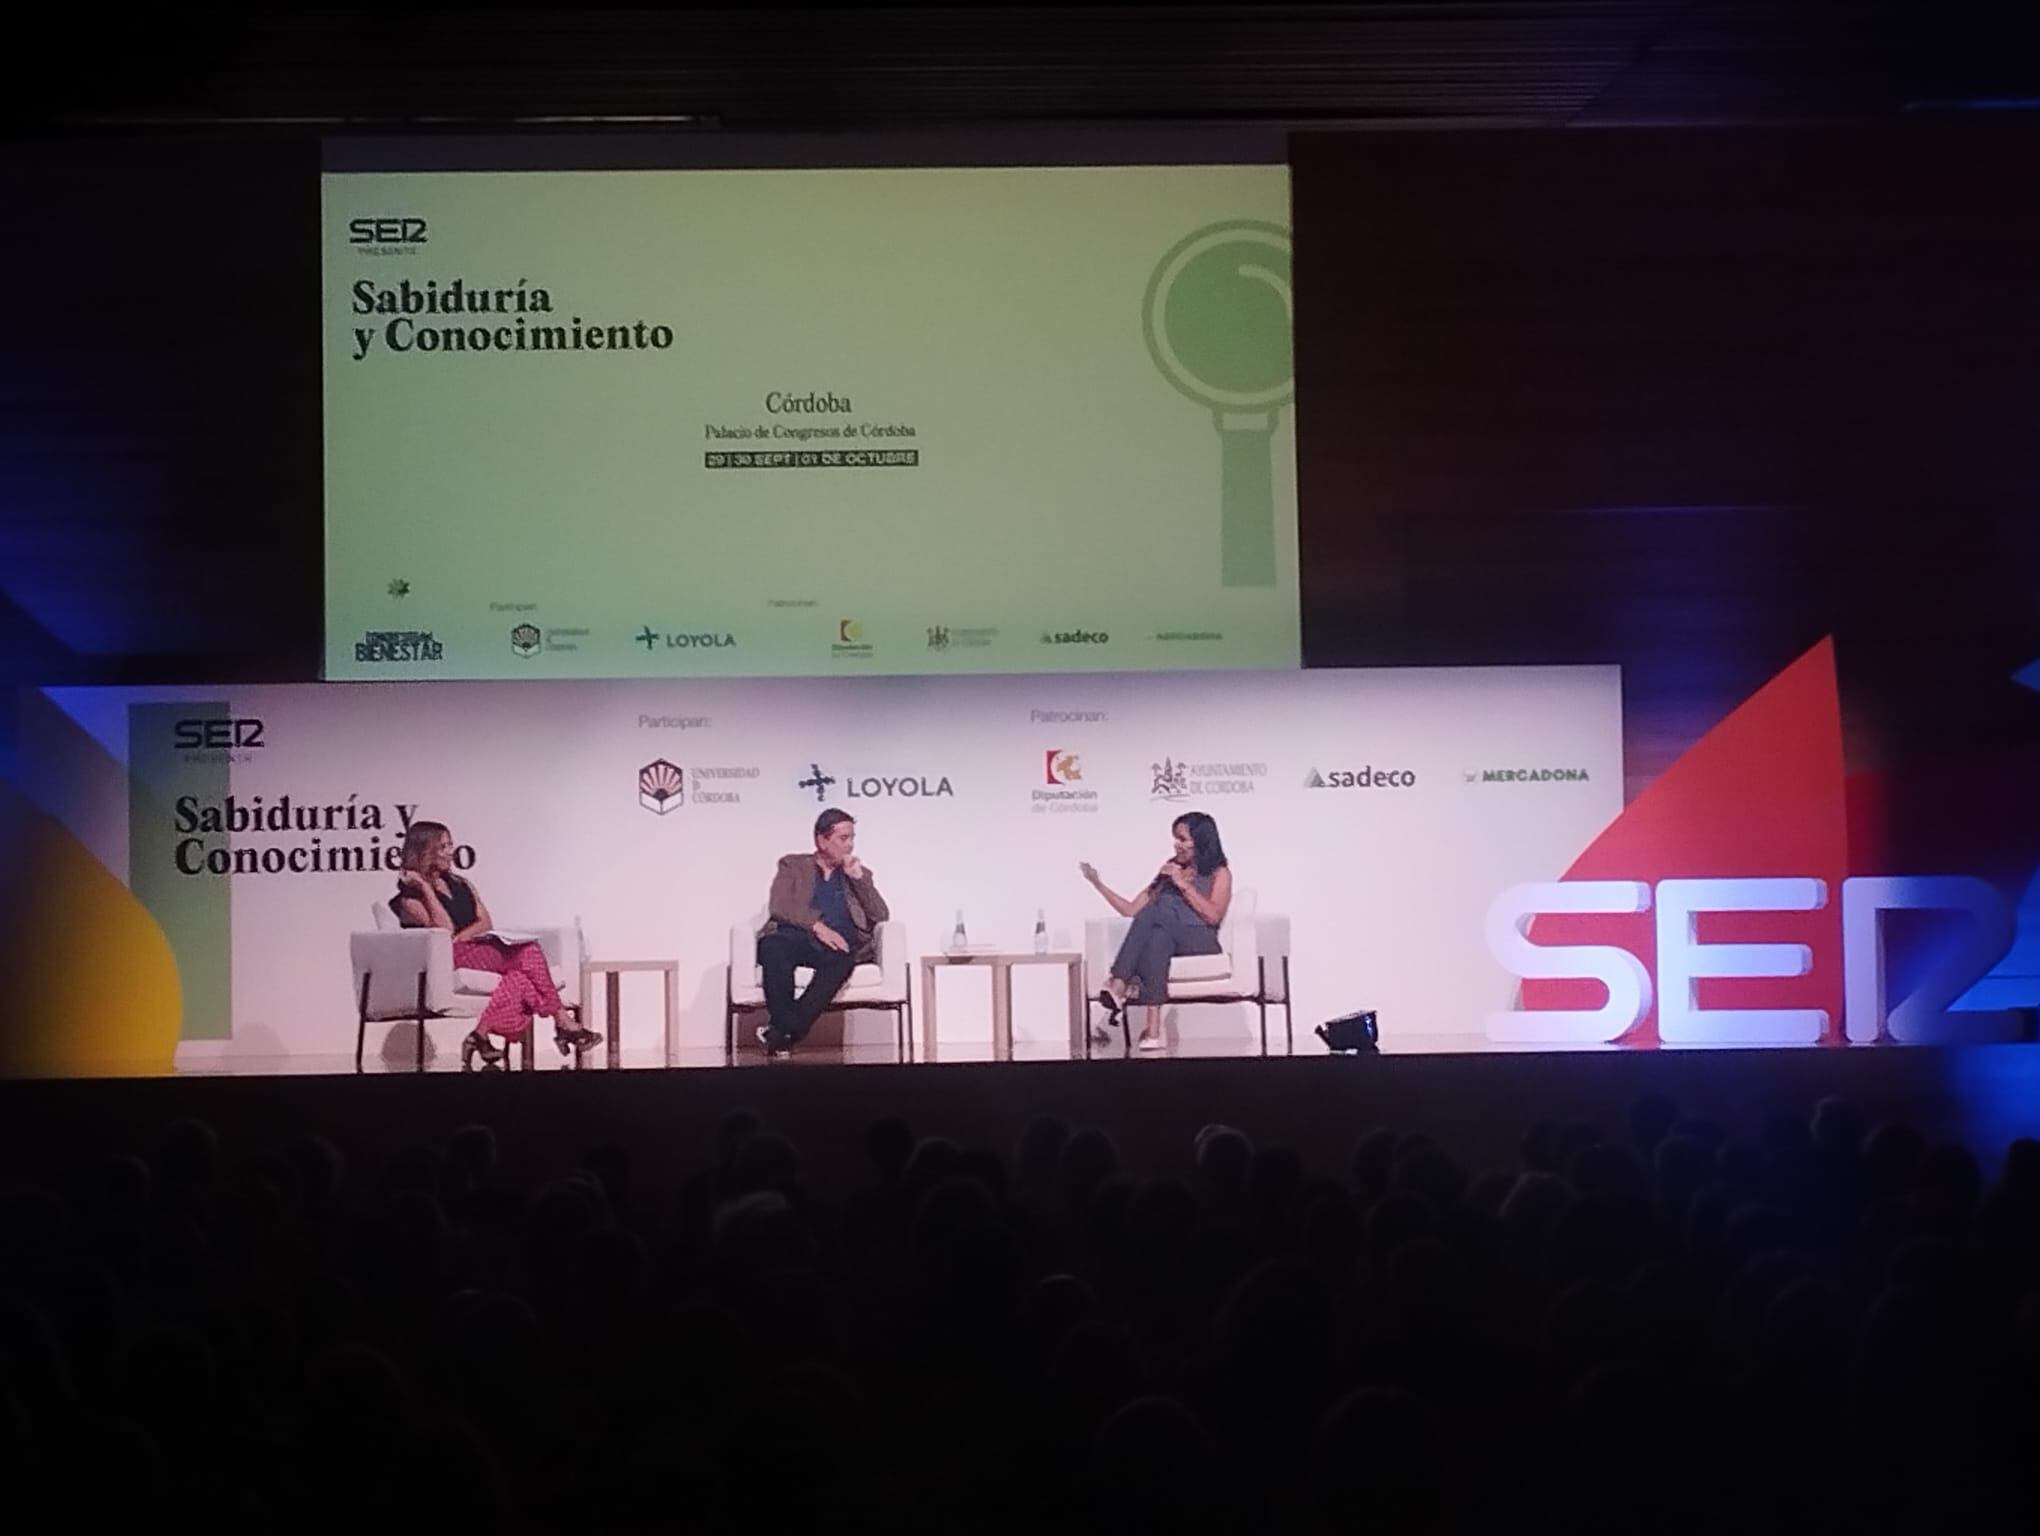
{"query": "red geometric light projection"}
pixel 1761 794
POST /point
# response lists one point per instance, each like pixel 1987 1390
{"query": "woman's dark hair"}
pixel 1209 852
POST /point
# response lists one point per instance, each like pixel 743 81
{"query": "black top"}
pixel 458 897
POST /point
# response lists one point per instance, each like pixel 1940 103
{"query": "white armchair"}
pixel 1252 965
pixel 877 984
pixel 407 975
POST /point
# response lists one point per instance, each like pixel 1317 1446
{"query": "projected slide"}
pixel 808 422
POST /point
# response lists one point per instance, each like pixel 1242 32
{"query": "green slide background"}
pixel 1065 483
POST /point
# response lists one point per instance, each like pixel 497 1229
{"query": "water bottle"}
pixel 1041 930
pixel 957 940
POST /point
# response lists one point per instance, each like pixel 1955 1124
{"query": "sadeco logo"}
pixel 1368 777
pixel 228 735
pixel 389 230
pixel 1075 637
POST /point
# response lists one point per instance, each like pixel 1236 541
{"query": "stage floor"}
pixel 1480 1103
pixel 652 1059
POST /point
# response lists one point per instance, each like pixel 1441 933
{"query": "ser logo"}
pixel 225 735
pixel 386 231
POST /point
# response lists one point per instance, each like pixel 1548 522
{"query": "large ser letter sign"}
pixel 1628 983
pixel 1683 960
pixel 1924 1017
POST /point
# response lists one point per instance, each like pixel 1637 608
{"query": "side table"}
pixel 612 971
pixel 1000 963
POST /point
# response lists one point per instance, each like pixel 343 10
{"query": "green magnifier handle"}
pixel 1246 509
pixel 1216 319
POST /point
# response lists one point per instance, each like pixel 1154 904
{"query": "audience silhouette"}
pixel 1652 1325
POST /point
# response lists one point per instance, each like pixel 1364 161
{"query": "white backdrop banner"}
pixel 1379 811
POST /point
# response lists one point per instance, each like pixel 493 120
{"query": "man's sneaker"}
pixel 774 1043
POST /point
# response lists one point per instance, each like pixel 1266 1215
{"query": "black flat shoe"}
pixel 479 1044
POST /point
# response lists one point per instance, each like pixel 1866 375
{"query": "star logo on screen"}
pixel 399 588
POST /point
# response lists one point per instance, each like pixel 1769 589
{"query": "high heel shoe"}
pixel 569 1035
pixel 479 1044
pixel 1115 1018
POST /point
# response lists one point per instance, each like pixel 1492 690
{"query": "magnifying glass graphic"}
pixel 1217 322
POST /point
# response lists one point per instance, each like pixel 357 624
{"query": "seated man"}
pixel 821 914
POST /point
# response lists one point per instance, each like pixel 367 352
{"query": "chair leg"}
pixel 1288 1012
pixel 421 1021
pixel 361 1027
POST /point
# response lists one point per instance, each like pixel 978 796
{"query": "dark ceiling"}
pixel 1434 62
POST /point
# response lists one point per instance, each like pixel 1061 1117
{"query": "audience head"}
pixel 1224 1157
pixel 1651 1118
pixel 1041 1147
pixel 888 1143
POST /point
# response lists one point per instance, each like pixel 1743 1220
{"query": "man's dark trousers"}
pixel 781 952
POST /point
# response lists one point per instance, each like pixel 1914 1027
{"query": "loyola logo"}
pixel 696 640
pixel 877 786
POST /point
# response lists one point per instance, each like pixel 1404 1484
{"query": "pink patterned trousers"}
pixel 525 990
